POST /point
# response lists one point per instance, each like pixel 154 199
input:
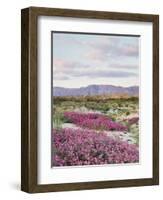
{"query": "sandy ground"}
pixel 129 116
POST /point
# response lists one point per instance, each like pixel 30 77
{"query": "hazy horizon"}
pixel 84 59
pixel 97 85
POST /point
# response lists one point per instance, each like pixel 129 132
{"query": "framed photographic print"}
pixel 90 99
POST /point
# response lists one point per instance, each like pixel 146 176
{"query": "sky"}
pixel 80 60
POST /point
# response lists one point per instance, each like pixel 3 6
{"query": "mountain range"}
pixel 96 90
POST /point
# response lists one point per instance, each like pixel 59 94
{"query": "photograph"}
pixel 95 99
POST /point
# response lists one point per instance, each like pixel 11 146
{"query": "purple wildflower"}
pixel 82 147
pixel 94 121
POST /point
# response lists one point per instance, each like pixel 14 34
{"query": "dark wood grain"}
pixel 24 100
pixel 29 98
pixel 29 101
pixel 91 14
pixel 156 100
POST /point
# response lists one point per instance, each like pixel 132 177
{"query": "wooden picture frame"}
pixel 29 110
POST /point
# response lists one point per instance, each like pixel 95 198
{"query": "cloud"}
pixel 123 66
pixel 128 51
pixel 66 66
pixel 93 74
pixel 97 54
pixel 103 74
pixel 66 70
pixel 114 47
pixel 95 58
pixel 62 65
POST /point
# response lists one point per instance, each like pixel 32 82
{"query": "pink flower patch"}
pixel 94 121
pixel 82 147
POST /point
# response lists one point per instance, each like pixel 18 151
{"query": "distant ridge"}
pixel 96 90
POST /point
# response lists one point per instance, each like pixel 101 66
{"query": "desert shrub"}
pixel 57 121
pixel 83 147
pixel 133 120
pixel 127 113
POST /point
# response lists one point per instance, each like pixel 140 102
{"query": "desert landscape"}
pixel 95 125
